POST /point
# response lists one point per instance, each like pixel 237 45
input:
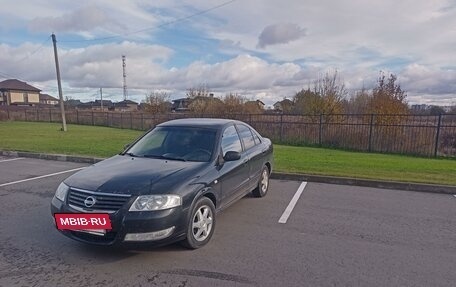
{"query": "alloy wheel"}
pixel 202 223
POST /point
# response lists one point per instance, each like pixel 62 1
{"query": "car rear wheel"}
pixel 263 183
pixel 201 224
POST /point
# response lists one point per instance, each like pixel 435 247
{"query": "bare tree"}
pixel 331 91
pixel 359 102
pixel 233 103
pixel 203 101
pixel 200 91
pixel 157 102
pixel 324 97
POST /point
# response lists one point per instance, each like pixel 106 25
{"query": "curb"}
pixel 57 157
pixel 430 188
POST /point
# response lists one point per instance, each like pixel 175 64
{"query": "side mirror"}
pixel 232 156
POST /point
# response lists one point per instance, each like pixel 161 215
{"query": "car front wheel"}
pixel 201 224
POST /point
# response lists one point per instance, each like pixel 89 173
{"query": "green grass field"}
pixel 104 142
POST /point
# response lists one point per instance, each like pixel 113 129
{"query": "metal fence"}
pixel 429 136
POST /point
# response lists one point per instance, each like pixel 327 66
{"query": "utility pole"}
pixel 124 66
pixel 59 84
pixel 101 95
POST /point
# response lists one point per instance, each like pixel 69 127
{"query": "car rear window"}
pixel 246 136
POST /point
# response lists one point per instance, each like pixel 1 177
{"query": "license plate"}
pixel 86 222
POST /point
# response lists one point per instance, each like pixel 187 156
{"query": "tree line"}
pixel 325 95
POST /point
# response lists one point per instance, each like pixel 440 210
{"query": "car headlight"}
pixel 155 202
pixel 61 191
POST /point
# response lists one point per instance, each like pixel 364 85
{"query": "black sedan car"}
pixel 169 184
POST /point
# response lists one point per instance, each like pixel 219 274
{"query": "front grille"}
pixel 104 202
pixel 108 238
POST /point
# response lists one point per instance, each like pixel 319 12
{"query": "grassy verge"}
pixel 104 142
pixel 321 161
pixel 79 140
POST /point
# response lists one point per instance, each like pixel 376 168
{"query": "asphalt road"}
pixel 334 236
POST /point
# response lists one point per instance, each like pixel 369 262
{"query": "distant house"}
pixel 284 106
pixel 180 105
pixel 84 106
pixel 46 99
pixel 257 103
pixel 126 106
pixel 71 103
pixel 98 105
pixel 15 92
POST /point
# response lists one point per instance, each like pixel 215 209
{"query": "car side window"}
pixel 246 136
pixel 230 140
pixel 256 138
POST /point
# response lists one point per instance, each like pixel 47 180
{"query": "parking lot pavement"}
pixel 334 235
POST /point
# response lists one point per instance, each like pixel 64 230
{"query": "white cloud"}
pixel 413 38
pixel 426 80
pixel 80 20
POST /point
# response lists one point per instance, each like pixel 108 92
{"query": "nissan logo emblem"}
pixel 90 201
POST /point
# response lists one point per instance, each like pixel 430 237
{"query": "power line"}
pixel 9 76
pixel 154 27
pixel 34 52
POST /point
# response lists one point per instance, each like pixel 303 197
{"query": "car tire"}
pixel 201 224
pixel 263 183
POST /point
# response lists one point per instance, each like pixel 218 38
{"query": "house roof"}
pixel 125 103
pixel 46 97
pixel 14 84
pixel 284 101
pixel 128 102
pixel 105 103
pixel 181 100
pixel 72 102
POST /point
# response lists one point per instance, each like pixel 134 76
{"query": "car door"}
pixel 234 175
pixel 256 155
pixel 250 153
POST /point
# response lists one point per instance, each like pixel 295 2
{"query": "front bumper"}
pixel 124 222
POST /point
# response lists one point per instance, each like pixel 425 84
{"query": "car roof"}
pixel 199 122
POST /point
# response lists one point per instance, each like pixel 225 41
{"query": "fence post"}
pixel 7 112
pixel 121 120
pixel 436 149
pixel 25 113
pixel 77 117
pixel 281 127
pixel 37 115
pixel 50 115
pixel 369 148
pixel 131 121
pixel 320 130
pixel 142 121
pixel 107 119
pixel 93 121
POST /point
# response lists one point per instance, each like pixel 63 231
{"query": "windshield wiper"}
pixel 131 154
pixel 164 157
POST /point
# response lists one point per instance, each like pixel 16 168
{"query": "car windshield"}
pixel 176 143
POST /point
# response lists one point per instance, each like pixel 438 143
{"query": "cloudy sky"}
pixel 262 49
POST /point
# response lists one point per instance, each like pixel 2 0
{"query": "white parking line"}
pixel 11 159
pixel 291 205
pixel 41 176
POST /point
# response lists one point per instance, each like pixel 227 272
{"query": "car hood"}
pixel 136 176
